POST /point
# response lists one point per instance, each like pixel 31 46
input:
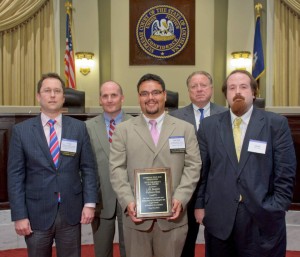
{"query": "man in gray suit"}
pixel 200 88
pixel 52 180
pixel 173 145
pixel 99 128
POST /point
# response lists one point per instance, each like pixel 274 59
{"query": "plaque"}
pixel 153 193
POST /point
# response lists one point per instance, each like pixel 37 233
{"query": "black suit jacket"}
pixel 264 180
pixel 33 181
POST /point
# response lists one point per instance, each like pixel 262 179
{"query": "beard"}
pixel 239 106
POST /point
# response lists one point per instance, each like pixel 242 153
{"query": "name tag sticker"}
pixel 68 147
pixel 177 144
pixel 256 146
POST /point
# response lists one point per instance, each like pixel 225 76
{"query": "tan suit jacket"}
pixel 107 198
pixel 133 148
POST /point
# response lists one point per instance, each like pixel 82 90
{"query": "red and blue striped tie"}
pixel 53 145
pixel 112 125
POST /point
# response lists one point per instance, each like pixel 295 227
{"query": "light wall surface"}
pixel 240 29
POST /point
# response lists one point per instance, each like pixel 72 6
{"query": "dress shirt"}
pixel 159 122
pixel 57 126
pixel 206 112
pixel 107 118
pixel 245 122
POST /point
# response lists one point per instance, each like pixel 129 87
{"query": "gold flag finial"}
pixel 68 5
pixel 258 7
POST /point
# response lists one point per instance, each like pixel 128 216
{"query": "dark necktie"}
pixel 112 125
pixel 53 145
pixel 201 110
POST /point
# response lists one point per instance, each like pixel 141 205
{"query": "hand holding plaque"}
pixel 153 193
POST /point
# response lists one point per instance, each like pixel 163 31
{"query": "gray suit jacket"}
pixel 187 113
pixel 265 180
pixel 133 148
pixel 96 127
pixel 33 181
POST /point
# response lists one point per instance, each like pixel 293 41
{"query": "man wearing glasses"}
pixel 151 141
pixel 52 181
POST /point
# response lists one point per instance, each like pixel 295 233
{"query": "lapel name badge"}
pixel 256 146
pixel 68 147
pixel 177 144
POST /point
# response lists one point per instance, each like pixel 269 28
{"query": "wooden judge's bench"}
pixel 12 115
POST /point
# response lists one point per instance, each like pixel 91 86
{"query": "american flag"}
pixel 69 55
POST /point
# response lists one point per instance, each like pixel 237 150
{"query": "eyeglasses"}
pixel 154 93
pixel 48 91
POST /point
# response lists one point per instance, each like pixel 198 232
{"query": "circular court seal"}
pixel 162 31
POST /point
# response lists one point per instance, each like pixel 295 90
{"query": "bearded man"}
pixel 246 184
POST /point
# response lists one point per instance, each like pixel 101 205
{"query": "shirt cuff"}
pixel 91 205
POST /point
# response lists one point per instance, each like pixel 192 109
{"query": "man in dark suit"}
pixel 248 174
pixel 173 145
pixel 99 128
pixel 52 181
pixel 200 88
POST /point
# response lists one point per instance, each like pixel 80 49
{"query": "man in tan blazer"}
pixel 103 226
pixel 134 148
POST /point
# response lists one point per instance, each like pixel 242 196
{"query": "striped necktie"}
pixel 112 125
pixel 53 145
pixel 237 135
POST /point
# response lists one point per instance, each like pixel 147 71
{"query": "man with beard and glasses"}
pixel 200 88
pixel 154 139
pixel 247 177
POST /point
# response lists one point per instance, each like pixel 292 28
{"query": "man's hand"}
pixel 87 215
pixel 23 227
pixel 199 215
pixel 131 210
pixel 176 209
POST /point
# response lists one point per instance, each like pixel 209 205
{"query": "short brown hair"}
pixel 253 82
pixel 50 75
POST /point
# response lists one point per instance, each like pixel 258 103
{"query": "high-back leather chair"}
pixel 74 101
pixel 172 100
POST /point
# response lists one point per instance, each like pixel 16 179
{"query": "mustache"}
pixel 238 97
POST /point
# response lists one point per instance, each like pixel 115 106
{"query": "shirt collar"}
pixel 245 117
pixel 46 118
pixel 117 119
pixel 205 108
pixel 158 120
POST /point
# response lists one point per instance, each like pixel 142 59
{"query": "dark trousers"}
pixel 67 240
pixel 193 229
pixel 246 240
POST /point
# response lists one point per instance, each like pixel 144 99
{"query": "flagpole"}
pixel 258 62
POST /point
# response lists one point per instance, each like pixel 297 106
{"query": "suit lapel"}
pixel 100 131
pixel 256 124
pixel 166 131
pixel 227 137
pixel 189 115
pixel 39 135
pixel 141 128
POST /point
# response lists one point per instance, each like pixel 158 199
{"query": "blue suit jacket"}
pixel 265 181
pixel 33 181
pixel 187 113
